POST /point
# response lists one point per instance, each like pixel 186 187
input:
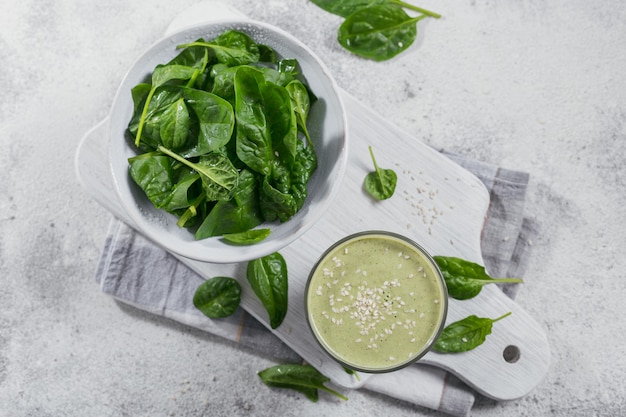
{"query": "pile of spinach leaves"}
pixel 376 29
pixel 222 138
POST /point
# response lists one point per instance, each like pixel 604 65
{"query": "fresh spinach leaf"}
pixel 276 204
pixel 466 279
pixel 345 8
pixel 266 122
pixel 219 176
pixel 376 29
pixel 302 378
pixel 301 172
pixel 465 334
pixel 237 215
pixel 301 104
pixel 218 297
pixel 174 126
pixel 254 142
pixel 161 75
pixel 154 174
pixel 216 121
pixel 248 237
pixel 183 190
pixel 268 278
pixel 231 48
pixel 380 183
pixel 379 32
pixel 352 372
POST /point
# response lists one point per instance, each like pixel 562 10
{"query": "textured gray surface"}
pixel 527 85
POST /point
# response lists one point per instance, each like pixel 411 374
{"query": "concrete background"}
pixel 530 85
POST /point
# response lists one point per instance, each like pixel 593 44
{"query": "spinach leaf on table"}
pixel 268 278
pixel 376 29
pixel 465 334
pixel 465 279
pixel 302 378
pixel 218 297
pixel 379 32
pixel 380 183
pixel 345 8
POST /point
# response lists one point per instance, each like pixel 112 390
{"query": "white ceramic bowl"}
pixel 327 126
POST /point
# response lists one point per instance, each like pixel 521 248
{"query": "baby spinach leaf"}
pixel 218 297
pixel 345 8
pixel 276 204
pixel 161 75
pixel 381 183
pixel 302 378
pixel 179 196
pixel 164 73
pixel 174 126
pixel 218 174
pixel 248 237
pixel 239 214
pixel 153 173
pixel 465 334
pixel 352 372
pixel 254 142
pixel 288 66
pixel 224 81
pixel 466 279
pixel 301 172
pixel 268 278
pixel 216 121
pixel 266 123
pixel 300 101
pixel 378 32
pixel 231 48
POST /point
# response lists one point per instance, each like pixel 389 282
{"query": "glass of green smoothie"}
pixel 376 301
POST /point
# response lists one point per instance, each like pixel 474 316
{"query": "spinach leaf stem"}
pixel 144 112
pixel 375 164
pixel 417 9
pixel 501 317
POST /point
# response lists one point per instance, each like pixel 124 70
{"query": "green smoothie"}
pixel 376 302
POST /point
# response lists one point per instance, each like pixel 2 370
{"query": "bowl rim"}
pixel 195 250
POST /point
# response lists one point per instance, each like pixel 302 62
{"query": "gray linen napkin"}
pixel 129 264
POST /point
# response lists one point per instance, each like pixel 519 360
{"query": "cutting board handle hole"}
pixel 511 354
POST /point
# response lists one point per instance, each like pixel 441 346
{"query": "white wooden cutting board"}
pixel 437 203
